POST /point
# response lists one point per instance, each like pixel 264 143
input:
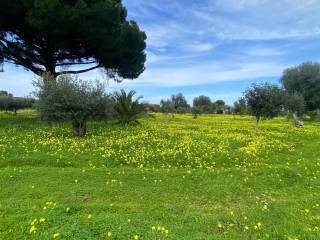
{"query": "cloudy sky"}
pixel 212 47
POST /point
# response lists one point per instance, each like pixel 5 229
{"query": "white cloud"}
pixel 207 73
pixel 259 19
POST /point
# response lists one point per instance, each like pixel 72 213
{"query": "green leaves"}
pixel 305 81
pixel 41 35
pixel 127 109
pixel 264 101
pixel 71 99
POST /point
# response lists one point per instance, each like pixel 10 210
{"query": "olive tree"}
pixel 296 106
pixel 167 106
pixel 305 81
pixel 219 105
pixel 240 107
pixel 264 101
pixel 180 103
pixel 202 104
pixel 71 99
pixel 9 103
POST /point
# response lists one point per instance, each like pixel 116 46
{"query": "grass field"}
pixel 214 177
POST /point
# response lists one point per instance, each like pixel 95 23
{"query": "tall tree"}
pixel 305 81
pixel 71 36
pixel 264 101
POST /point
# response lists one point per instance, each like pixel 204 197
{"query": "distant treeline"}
pixel 297 94
pixel 9 103
pixel 201 105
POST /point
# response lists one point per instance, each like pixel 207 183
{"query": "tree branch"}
pixel 79 71
pixel 74 63
pixel 18 60
pixel 5 43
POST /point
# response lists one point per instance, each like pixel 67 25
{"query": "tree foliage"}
pixel 9 103
pixel 264 101
pixel 43 35
pixel 180 103
pixel 305 81
pixel 166 106
pixel 219 106
pixel 128 110
pixel 71 99
pixel 202 105
pixel 240 107
pixel 295 104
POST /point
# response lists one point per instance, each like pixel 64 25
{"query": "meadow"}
pixel 214 177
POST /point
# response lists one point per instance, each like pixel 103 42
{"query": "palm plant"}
pixel 127 109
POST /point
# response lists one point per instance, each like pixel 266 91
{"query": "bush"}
pixel 127 109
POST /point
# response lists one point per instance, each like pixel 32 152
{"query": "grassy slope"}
pixel 207 178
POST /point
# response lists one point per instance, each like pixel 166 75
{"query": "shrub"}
pixel 128 110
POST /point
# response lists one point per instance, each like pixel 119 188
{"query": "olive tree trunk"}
pixel 257 122
pixel 79 128
pixel 298 122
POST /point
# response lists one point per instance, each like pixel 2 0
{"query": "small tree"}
pixel 71 99
pixel 264 101
pixel 220 106
pixel 240 107
pixel 203 104
pixel 180 103
pixel 127 109
pixel 167 106
pixel 196 111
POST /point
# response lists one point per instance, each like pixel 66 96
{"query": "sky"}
pixel 216 48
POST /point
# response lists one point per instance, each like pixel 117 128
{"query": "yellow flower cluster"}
pixel 185 142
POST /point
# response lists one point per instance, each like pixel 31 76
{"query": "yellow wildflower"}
pixel 33 229
pixel 56 235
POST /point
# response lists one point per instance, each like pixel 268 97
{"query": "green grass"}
pixel 214 177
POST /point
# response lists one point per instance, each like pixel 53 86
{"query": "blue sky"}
pixel 212 47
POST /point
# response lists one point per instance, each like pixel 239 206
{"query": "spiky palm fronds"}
pixel 127 109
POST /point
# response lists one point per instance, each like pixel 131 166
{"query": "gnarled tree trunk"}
pixel 298 122
pixel 79 128
pixel 257 122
